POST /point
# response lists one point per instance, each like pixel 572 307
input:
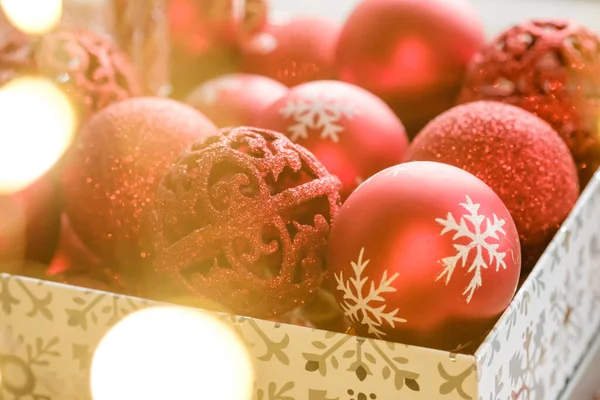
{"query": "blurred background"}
pixel 496 14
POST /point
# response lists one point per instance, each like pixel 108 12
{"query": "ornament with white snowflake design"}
pixel 425 254
pixel 353 132
pixel 236 99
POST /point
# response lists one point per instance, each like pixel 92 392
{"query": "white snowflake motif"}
pixel 317 113
pixel 478 240
pixel 356 301
pixel 211 91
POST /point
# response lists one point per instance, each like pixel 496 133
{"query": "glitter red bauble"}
pixel 518 155
pixel 111 175
pixel 89 67
pixel 243 219
pixel 293 51
pixel 550 68
pixel 236 99
pixel 424 253
pixel 412 53
pixel 353 132
pixel 30 222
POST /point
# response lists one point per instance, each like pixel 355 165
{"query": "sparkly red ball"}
pixel 30 222
pixel 412 53
pixel 89 67
pixel 517 154
pixel 424 253
pixel 552 69
pixel 294 51
pixel 353 132
pixel 111 175
pixel 243 219
pixel 236 99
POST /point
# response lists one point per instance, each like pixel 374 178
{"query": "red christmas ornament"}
pixel 412 53
pixel 92 69
pixel 293 52
pixel 30 222
pixel 518 155
pixel 236 99
pixel 552 69
pixel 424 253
pixel 243 219
pixel 111 175
pixel 88 66
pixel 353 132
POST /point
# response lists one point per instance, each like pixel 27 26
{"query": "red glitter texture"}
pixel 518 155
pixel 111 175
pixel 243 219
pixel 550 68
pixel 92 69
pixel 87 66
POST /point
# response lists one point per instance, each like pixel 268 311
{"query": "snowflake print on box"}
pixel 354 133
pixel 480 237
pixel 370 309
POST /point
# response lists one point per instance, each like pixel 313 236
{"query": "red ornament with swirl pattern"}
pixel 243 219
pixel 351 131
pixel 90 67
pixel 110 176
pixel 552 69
pixel 425 254
pixel 517 154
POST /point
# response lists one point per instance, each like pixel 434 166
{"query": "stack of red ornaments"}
pixel 287 188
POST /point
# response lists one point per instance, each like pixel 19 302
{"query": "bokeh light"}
pixel 38 126
pixel 34 17
pixel 171 353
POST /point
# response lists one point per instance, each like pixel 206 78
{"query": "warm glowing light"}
pixel 171 353
pixel 34 17
pixel 37 125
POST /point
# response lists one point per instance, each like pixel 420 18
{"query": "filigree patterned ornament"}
pixel 550 68
pixel 89 67
pixel 243 219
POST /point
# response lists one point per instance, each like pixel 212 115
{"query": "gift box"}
pixel 49 332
